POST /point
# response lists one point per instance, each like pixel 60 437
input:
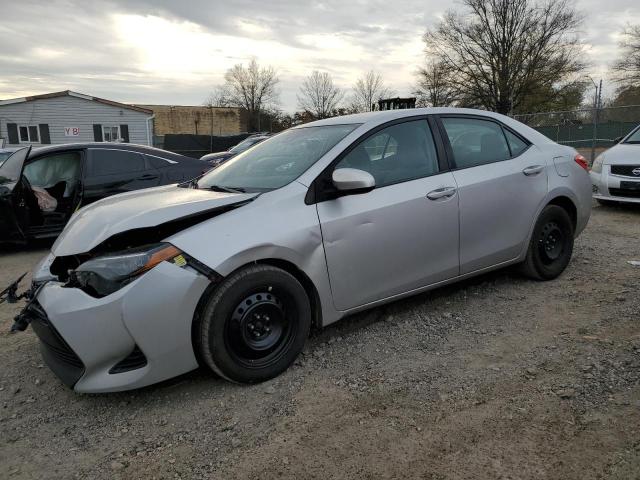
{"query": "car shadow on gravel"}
pixel 437 299
pixel 633 208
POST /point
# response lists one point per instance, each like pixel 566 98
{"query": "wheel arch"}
pixel 287 266
pixel 305 281
pixel 568 205
pixel 560 199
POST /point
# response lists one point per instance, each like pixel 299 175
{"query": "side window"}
pixel 516 143
pixel 475 142
pixel 395 154
pixel 109 162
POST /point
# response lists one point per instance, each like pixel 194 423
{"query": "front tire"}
pixel 254 325
pixel 551 244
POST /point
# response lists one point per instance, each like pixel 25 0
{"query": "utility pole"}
pixel 596 110
pixel 211 130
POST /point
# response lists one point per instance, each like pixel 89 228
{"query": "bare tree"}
pixel 219 97
pixel 319 96
pixel 435 86
pixel 627 68
pixel 503 51
pixel 367 90
pixel 253 88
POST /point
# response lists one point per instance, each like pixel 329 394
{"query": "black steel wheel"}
pixel 551 244
pixel 260 328
pixel 254 325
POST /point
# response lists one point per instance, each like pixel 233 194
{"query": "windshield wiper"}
pixel 222 188
pixel 193 183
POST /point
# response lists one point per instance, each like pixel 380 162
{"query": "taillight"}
pixel 580 160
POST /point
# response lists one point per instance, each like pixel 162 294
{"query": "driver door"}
pixel 14 209
pixel 402 235
pixel 54 180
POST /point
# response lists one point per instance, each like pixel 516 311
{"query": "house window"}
pixel 29 134
pixel 111 133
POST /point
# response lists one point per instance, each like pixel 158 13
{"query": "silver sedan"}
pixel 615 173
pixel 323 220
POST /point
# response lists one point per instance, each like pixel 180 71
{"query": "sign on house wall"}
pixel 71 131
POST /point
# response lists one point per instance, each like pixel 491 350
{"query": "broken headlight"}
pixel 101 276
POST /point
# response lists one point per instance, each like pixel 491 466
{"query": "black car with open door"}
pixel 40 189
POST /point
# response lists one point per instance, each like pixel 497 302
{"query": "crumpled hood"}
pixel 95 223
pixel 623 154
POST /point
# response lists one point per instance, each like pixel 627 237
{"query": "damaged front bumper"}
pixel 136 336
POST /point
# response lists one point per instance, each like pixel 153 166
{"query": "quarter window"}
pixel 475 142
pixel 516 143
pixel 395 154
pixel 29 134
pixel 111 133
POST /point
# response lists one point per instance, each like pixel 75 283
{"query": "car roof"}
pixel 387 115
pixel 370 119
pixel 111 146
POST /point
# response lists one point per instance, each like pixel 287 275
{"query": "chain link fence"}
pixel 589 130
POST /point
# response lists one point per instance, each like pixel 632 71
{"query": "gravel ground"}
pixel 497 377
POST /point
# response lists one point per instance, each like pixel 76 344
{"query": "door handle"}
pixel 148 176
pixel 533 170
pixel 441 193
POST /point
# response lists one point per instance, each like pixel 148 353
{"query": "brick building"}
pixel 198 120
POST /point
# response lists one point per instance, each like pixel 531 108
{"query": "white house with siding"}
pixel 70 117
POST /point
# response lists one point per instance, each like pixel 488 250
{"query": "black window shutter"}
pixel 97 132
pixel 124 133
pixel 44 133
pixel 12 131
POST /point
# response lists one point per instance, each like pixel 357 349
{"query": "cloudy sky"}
pixel 174 52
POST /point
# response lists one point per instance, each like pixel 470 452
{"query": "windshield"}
pixel 634 137
pixel 277 161
pixel 11 168
pixel 243 145
pixel 4 156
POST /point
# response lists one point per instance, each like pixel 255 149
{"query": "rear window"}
pixel 110 162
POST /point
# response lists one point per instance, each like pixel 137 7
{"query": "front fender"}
pixel 289 231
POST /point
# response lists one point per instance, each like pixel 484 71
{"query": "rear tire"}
pixel 254 325
pixel 551 244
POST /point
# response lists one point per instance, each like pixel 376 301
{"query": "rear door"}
pixel 113 171
pixel 501 179
pixel 402 235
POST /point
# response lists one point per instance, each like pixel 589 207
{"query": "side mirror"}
pixel 352 180
pixel 618 139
